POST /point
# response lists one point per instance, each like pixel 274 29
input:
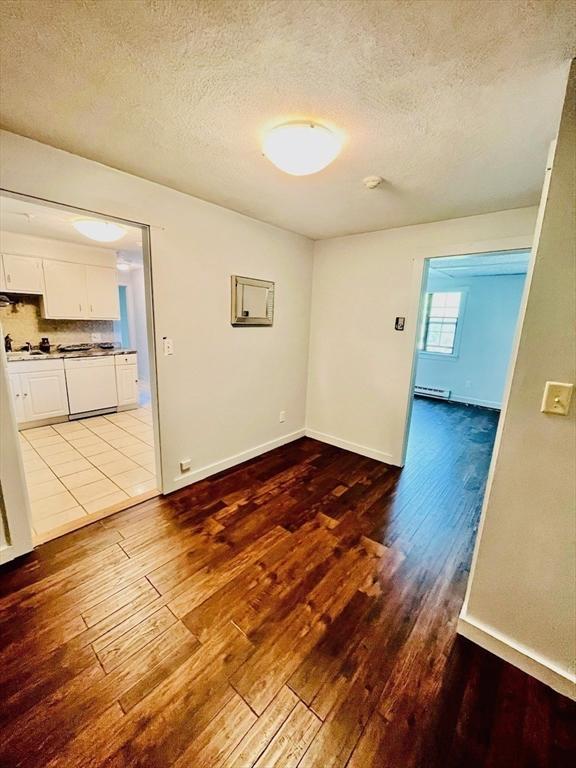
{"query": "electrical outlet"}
pixel 185 465
pixel 282 417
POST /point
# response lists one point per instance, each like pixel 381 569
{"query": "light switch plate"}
pixel 168 346
pixel 557 397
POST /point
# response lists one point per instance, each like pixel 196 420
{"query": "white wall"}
pixel 360 367
pixel 140 340
pixel 45 248
pixel 221 392
pixel 522 591
pixel 477 373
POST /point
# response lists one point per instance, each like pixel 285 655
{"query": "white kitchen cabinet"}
pixel 44 395
pixel 102 292
pixel 65 294
pixel 17 396
pixel 22 274
pixel 39 389
pixel 79 291
pixel 127 384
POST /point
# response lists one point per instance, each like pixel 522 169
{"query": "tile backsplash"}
pixel 24 323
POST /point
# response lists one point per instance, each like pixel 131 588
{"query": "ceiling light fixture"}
pixel 123 266
pixel 96 229
pixel 301 148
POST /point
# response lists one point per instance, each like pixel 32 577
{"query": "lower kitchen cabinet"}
pixel 17 397
pixel 127 379
pixel 39 392
pixel 52 388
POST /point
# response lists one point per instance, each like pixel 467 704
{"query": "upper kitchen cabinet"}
pixel 65 294
pixel 80 292
pixel 102 291
pixel 22 274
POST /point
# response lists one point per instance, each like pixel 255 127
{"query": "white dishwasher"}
pixel 91 383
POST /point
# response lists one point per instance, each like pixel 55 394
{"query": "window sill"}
pixel 438 356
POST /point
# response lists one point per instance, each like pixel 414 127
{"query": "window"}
pixel 441 313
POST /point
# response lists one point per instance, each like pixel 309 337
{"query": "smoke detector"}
pixel 371 182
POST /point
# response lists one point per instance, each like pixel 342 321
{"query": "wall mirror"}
pixel 252 301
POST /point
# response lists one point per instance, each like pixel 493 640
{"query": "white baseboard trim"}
pixel 561 680
pixel 466 400
pixel 211 469
pixel 363 450
pixel 476 401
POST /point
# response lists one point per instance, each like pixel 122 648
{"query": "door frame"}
pixel 421 268
pixel 17 528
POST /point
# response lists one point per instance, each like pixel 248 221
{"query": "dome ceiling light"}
pixel 96 229
pixel 301 148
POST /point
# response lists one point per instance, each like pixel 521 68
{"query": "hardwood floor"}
pixel 297 610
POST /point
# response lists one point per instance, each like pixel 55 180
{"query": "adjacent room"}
pixel 469 315
pixel 74 322
pixel 287 425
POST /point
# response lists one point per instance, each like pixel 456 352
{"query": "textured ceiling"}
pixel 39 220
pixel 482 265
pixel 453 102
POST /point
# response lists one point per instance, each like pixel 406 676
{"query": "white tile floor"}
pixel 79 467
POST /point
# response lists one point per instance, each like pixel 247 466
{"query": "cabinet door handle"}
pixel 80 307
pixel 8 277
pixel 25 394
pixel 91 308
pixel 17 394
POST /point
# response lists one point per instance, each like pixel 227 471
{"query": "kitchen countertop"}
pixel 13 357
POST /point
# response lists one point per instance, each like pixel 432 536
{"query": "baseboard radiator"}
pixel 443 394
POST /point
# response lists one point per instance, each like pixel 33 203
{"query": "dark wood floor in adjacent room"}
pixel 298 610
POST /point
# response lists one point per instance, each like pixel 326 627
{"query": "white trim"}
pixel 363 450
pixel 180 481
pixel 476 401
pixel 561 680
pixel 15 526
pixel 465 400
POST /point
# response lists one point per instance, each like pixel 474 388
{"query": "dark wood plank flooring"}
pixel 297 610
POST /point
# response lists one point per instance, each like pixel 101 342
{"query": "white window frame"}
pixel 455 354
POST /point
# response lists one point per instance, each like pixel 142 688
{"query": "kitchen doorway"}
pixel 77 329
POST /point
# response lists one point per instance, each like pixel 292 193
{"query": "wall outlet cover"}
pixel 185 465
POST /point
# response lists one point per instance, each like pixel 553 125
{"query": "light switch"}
pixel 168 346
pixel 557 396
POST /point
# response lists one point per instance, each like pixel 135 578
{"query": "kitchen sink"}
pixel 24 355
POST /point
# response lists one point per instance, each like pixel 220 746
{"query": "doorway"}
pixel 78 345
pixel 468 319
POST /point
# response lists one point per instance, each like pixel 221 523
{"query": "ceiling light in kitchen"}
pixel 301 148
pixel 96 229
pixel 123 266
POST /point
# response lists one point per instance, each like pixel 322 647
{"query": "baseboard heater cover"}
pixel 444 394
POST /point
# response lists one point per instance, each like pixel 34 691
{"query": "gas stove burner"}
pixel 74 347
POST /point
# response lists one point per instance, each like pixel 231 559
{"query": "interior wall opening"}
pixel 76 322
pixel 468 319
